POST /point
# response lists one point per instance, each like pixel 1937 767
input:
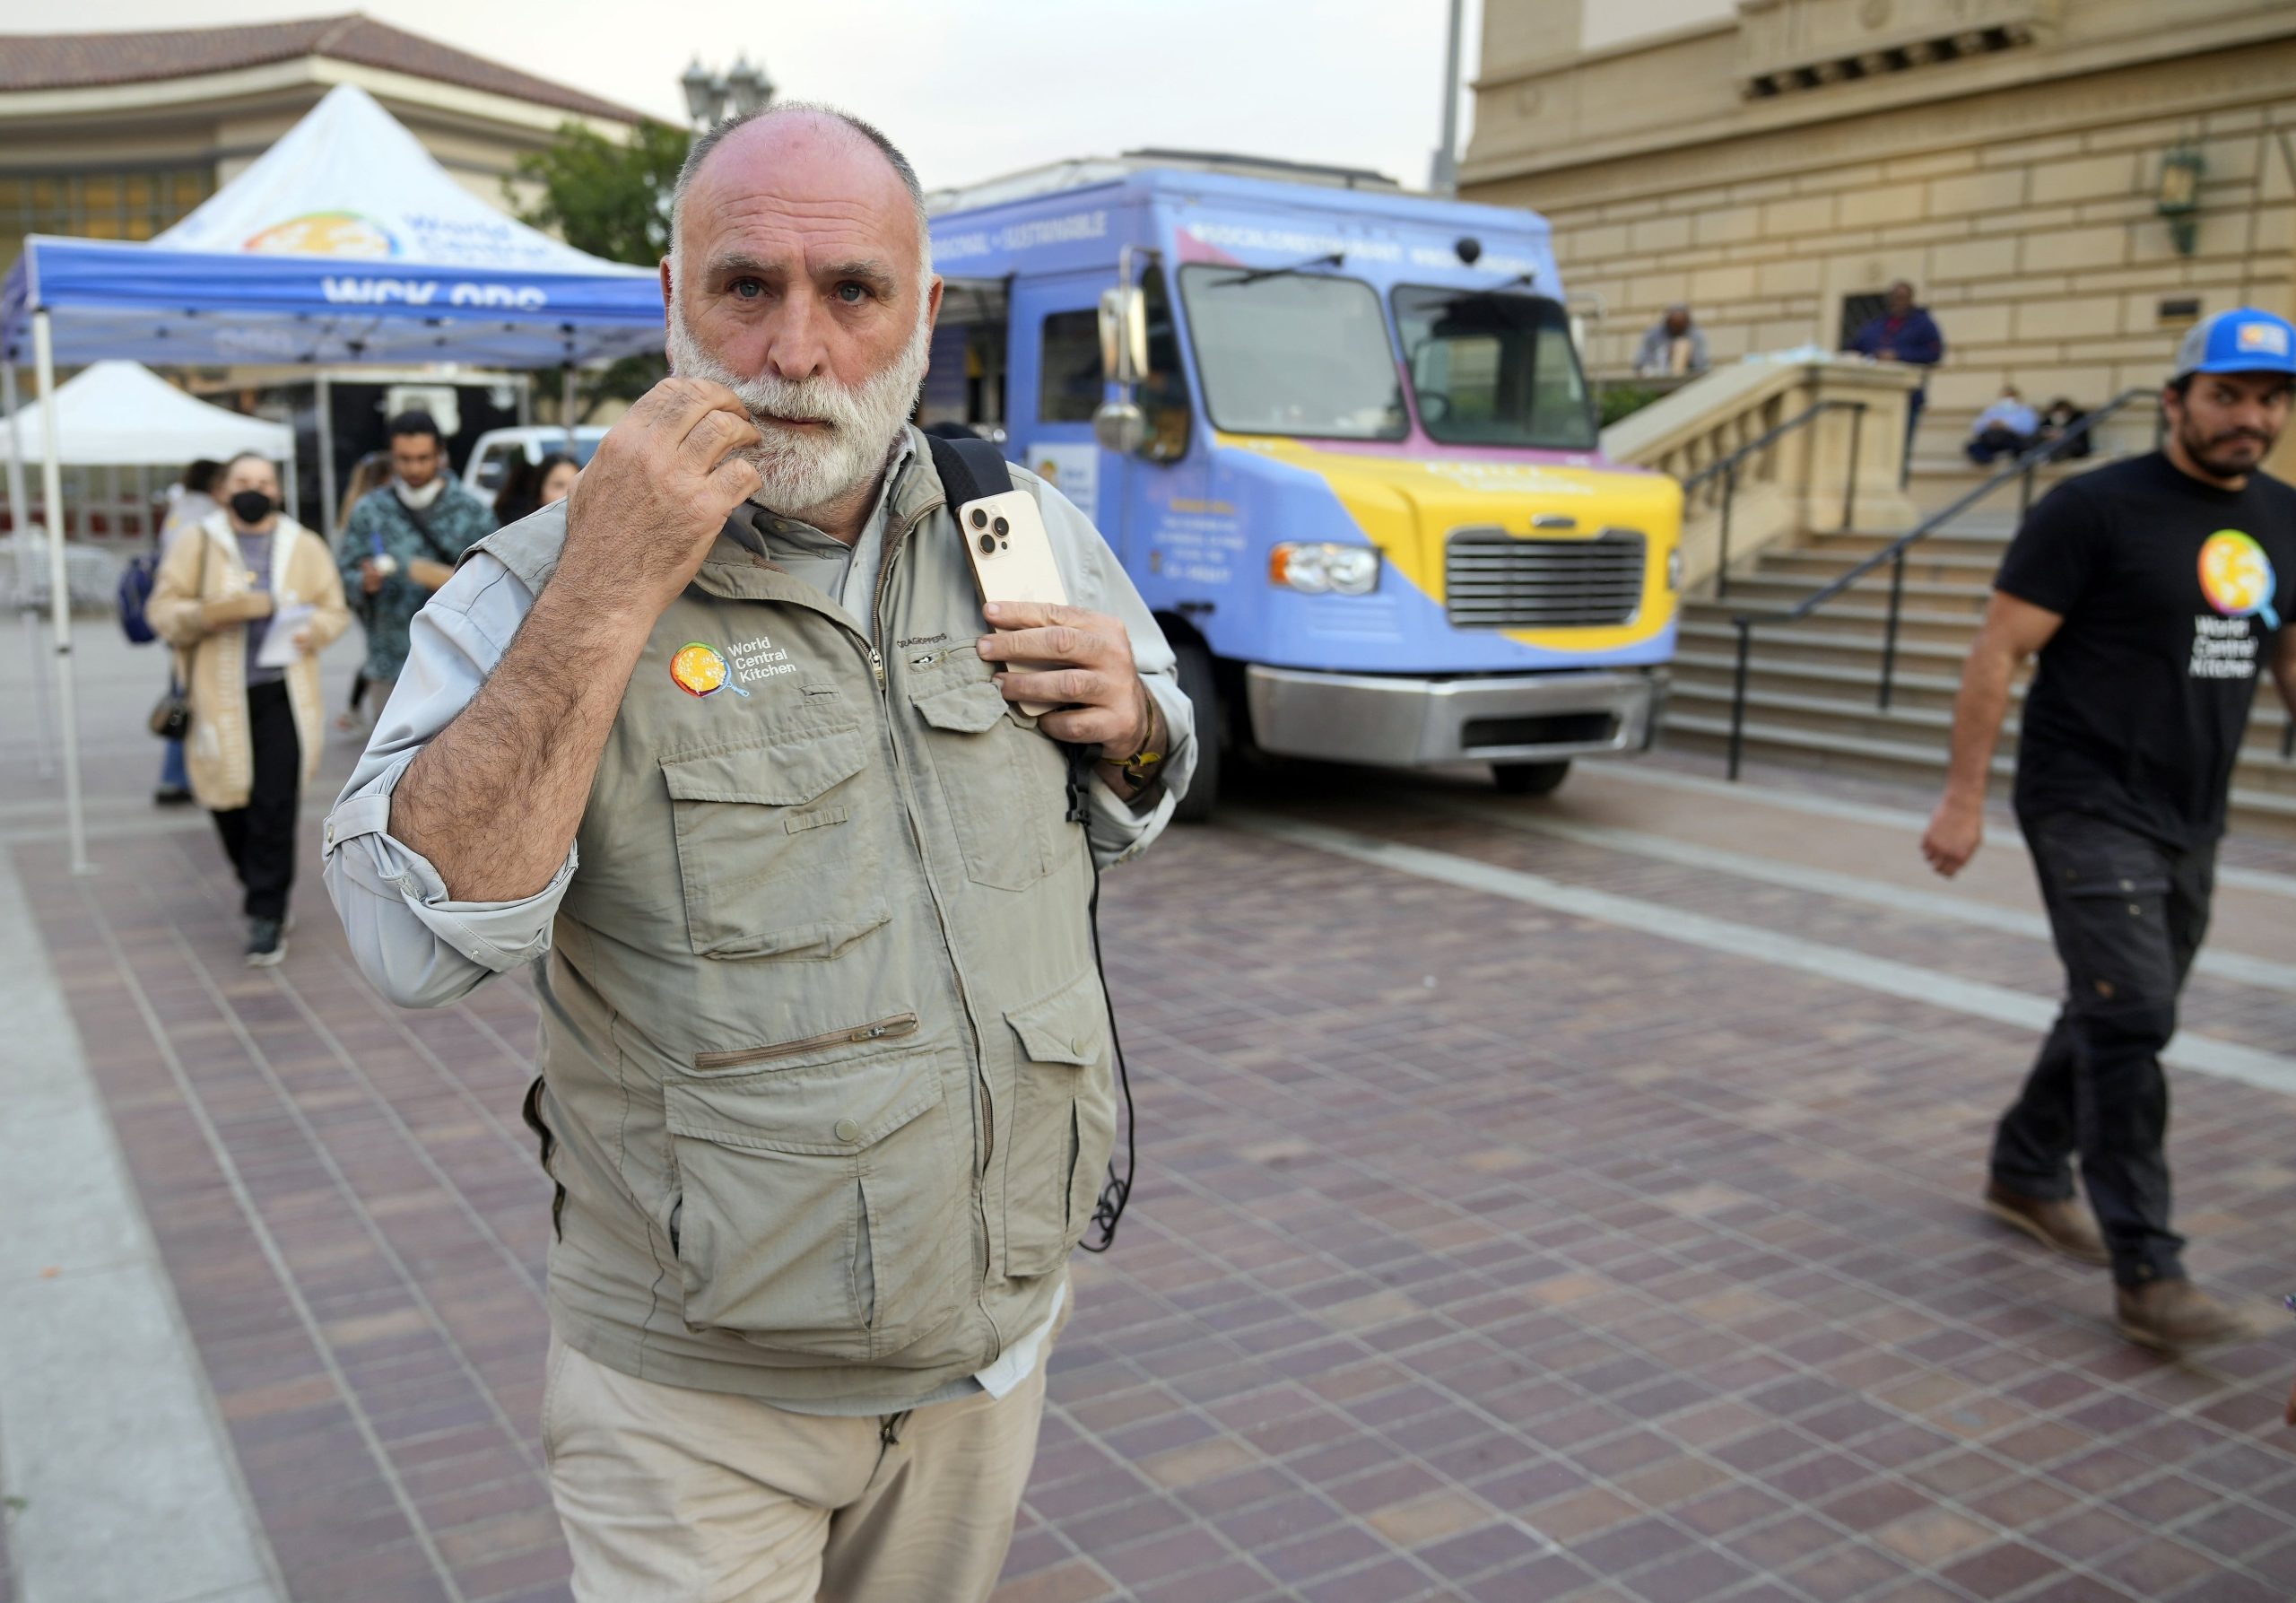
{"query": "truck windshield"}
pixel 1493 369
pixel 1294 353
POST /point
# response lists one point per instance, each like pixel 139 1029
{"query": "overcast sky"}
pixel 971 88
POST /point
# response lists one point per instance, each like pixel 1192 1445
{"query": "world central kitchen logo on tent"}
pixel 325 233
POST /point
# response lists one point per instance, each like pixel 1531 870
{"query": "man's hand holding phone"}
pixel 1080 664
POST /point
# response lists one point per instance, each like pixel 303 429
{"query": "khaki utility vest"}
pixel 825 1056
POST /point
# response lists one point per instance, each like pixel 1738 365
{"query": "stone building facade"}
pixel 1777 165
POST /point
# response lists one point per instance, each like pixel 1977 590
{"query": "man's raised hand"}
pixel 649 505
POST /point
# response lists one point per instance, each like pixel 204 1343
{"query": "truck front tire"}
pixel 1529 778
pixel 1201 686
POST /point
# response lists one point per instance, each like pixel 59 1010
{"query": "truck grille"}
pixel 1493 580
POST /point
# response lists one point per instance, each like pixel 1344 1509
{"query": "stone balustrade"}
pixel 1799 482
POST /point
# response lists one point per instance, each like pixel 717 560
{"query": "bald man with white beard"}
pixel 720 748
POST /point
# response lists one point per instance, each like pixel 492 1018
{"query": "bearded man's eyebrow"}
pixel 742 261
pixel 870 271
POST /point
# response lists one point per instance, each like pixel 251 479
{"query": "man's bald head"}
pixel 773 134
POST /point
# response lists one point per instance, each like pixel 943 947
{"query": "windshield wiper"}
pixel 1338 258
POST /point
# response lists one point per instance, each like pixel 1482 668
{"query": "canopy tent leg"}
pixel 323 393
pixel 294 501
pixel 20 517
pixel 526 400
pixel 59 593
pixel 565 405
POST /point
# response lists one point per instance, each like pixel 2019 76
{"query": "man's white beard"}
pixel 804 470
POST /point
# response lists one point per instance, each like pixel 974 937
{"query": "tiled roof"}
pixel 88 60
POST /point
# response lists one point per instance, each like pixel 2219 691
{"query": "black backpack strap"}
pixel 438 551
pixel 969 469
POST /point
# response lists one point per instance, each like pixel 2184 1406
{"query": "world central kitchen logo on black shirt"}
pixel 2237 579
pixel 2171 591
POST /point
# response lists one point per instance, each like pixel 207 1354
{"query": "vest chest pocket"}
pixel 1005 785
pixel 766 851
pixel 820 1209
pixel 1064 1126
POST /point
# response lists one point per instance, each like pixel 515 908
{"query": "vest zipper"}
pixel 884 1029
pixel 984 1103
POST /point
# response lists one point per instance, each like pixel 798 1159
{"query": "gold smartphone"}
pixel 1012 561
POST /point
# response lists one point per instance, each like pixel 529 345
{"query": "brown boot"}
pixel 2176 1316
pixel 2062 1227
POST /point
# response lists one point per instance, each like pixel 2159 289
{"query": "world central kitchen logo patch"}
pixel 699 670
pixel 702 670
pixel 2238 580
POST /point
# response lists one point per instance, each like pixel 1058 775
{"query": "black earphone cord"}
pixel 1102 1233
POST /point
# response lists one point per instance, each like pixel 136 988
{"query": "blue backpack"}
pixel 135 583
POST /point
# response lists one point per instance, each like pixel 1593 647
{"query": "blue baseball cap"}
pixel 2245 340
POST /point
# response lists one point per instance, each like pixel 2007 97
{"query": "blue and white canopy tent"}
pixel 345 243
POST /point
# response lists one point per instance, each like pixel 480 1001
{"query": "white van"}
pixel 483 473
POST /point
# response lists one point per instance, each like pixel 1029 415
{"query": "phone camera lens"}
pixel 979 518
pixel 989 545
pixel 1002 527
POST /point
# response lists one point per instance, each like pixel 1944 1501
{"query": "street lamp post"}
pixel 1443 172
pixel 709 97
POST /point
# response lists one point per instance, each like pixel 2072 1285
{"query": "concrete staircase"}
pixel 1811 699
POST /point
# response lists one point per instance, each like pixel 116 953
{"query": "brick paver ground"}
pixel 1478 1251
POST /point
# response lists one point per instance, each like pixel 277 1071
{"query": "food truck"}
pixel 1339 436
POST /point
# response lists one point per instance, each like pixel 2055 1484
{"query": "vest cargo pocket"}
pixel 1005 786
pixel 1064 1127
pixel 763 846
pixel 820 1209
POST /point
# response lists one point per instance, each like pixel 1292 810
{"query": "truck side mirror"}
pixel 1120 426
pixel 1123 334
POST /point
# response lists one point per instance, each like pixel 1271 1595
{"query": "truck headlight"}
pixel 1317 568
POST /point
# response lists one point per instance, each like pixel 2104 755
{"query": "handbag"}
pixel 172 713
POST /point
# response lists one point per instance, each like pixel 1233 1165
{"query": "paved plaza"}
pixel 1562 1199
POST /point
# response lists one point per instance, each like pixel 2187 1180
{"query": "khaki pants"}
pixel 670 1496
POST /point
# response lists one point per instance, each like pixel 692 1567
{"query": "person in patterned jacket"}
pixel 401 541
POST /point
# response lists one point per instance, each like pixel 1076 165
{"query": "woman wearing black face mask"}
pixel 256 708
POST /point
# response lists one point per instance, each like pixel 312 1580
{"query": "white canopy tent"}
pixel 117 415
pixel 345 242
pixel 123 414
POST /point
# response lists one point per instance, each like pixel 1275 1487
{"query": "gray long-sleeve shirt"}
pixel 422 948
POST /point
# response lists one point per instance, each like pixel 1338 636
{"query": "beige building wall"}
pixel 2005 155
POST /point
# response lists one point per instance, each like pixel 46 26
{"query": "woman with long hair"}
pixel 256 705
pixel 530 486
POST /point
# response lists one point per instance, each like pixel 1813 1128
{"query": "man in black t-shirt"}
pixel 2153 590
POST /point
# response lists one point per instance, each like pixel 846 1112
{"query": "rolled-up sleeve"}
pixel 1120 829
pixel 417 944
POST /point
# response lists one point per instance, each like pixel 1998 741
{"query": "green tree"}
pixel 613 200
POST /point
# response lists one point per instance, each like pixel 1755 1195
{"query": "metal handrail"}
pixel 1728 468
pixel 1893 553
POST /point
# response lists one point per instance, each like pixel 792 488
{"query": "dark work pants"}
pixel 260 837
pixel 2128 914
pixel 1997 442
